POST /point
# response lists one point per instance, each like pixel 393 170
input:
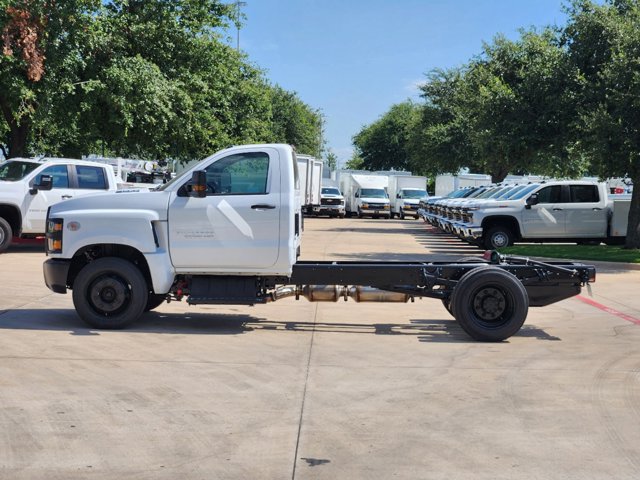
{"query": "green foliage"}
pixel 331 162
pixel 295 123
pixel 383 144
pixel 140 79
pixel 602 253
pixel 355 162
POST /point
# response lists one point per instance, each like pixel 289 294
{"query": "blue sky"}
pixel 354 59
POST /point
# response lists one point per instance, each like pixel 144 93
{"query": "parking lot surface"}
pixel 320 390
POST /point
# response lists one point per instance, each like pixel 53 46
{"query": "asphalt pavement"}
pixel 300 390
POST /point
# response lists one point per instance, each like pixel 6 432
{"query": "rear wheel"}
pixel 110 293
pixel 490 304
pixel 6 234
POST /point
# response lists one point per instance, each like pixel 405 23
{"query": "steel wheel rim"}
pixel 109 295
pixel 491 305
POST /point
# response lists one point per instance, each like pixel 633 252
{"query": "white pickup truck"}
pixel 28 187
pixel 227 231
pixel 565 211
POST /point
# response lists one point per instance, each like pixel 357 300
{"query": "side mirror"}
pixel 198 184
pixel 398 195
pixel 46 183
pixel 357 195
pixel 532 200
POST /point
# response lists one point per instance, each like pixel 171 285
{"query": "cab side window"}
pixel 240 174
pixel 91 177
pixel 584 194
pixel 551 194
pixel 59 175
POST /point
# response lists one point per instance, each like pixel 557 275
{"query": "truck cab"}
pixel 28 187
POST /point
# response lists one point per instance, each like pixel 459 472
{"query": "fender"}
pixel 134 228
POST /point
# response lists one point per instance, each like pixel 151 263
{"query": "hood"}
pixel 123 200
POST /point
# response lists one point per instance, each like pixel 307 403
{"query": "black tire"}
pixel 360 214
pixel 6 234
pixel 110 293
pixel 447 304
pixel 401 215
pixel 391 215
pixel 154 301
pixel 498 237
pixel 490 304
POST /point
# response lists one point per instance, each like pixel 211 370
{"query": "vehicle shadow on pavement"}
pixel 236 324
pixel 152 322
pixel 456 333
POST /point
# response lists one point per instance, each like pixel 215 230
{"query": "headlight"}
pixel 54 235
pixel 365 205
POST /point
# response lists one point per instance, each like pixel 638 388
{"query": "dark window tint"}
pixel 551 194
pixel 584 194
pixel 58 173
pixel 91 177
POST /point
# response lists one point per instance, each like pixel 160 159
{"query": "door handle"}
pixel 263 206
pixel 596 209
pixel 66 196
pixel 557 209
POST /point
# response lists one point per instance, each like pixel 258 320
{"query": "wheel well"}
pixel 503 221
pixel 12 215
pixel 93 252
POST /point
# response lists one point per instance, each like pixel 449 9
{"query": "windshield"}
pixel 414 193
pixel 523 192
pixel 330 191
pixel 488 193
pixel 373 193
pixel 14 170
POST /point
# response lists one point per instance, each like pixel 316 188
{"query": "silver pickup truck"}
pixel 567 211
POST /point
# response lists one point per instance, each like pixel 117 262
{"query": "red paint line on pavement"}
pixel 610 310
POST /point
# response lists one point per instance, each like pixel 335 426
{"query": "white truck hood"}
pixel 150 201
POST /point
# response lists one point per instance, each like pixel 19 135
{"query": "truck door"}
pixel 546 219
pixel 237 224
pixel 586 213
pixel 36 205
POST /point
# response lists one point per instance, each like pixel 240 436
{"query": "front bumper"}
pixel 329 209
pixel 56 272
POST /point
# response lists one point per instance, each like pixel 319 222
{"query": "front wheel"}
pixel 6 234
pixel 498 237
pixel 490 304
pixel 110 293
pixel 154 300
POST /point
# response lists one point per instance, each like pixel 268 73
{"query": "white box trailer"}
pixel 365 194
pixel 405 192
pixel 447 183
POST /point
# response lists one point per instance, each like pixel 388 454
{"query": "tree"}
pixel 383 144
pixel 331 162
pixel 604 44
pixel 355 162
pixel 294 122
pixel 42 53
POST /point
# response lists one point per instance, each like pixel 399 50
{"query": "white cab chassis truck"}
pixel 405 192
pixel 28 187
pixel 227 231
